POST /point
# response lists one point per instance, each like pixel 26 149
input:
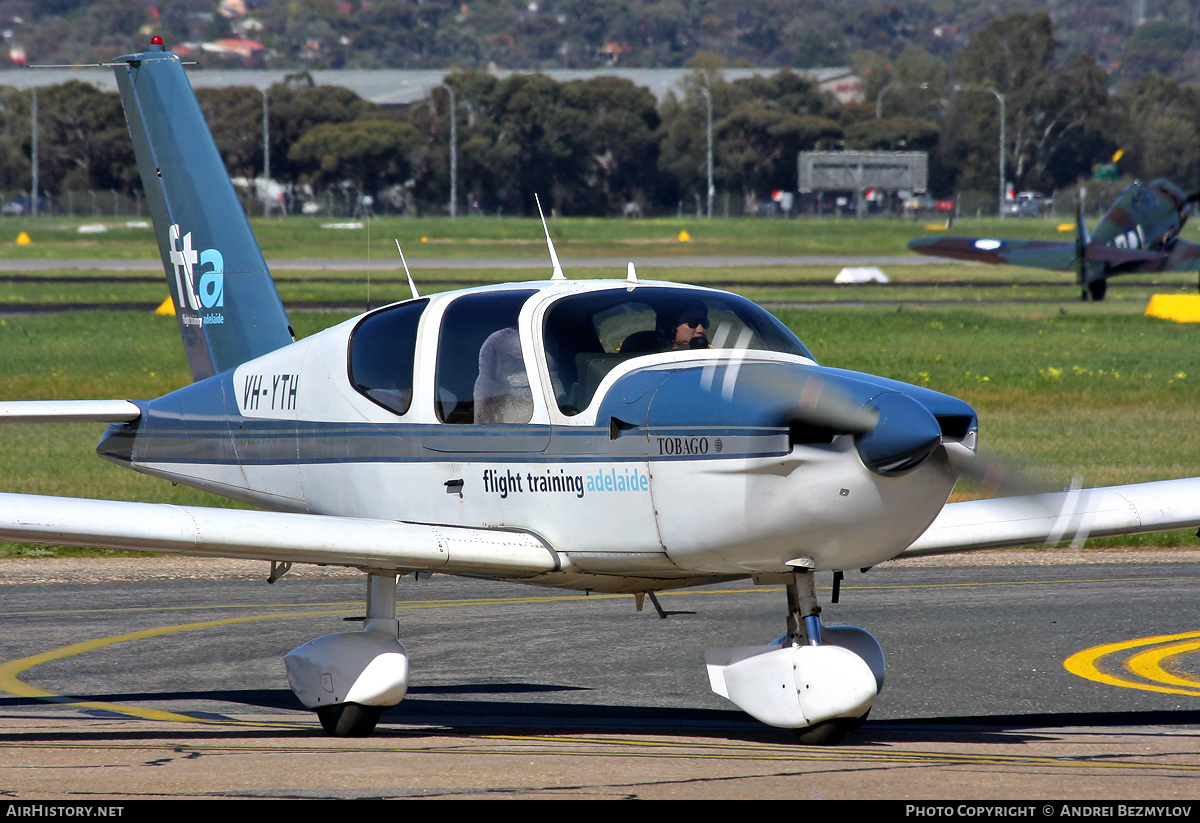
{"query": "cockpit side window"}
pixel 587 335
pixel 481 375
pixel 382 350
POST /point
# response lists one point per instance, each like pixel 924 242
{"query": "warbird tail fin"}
pixel 226 303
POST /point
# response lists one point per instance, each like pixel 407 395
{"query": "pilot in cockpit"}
pixel 674 330
pixel 691 329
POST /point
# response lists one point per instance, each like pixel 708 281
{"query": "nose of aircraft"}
pixel 893 431
pixel 905 435
pixel 895 426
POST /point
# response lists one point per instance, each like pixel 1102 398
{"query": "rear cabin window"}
pixel 382 350
pixel 587 335
pixel 481 376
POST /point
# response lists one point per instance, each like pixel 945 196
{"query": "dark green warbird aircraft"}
pixel 1138 234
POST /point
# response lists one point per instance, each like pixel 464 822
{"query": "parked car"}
pixel 1025 204
pixel 20 206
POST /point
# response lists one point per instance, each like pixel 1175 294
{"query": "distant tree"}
pixel 760 125
pixel 1171 149
pixel 915 84
pixel 234 115
pixel 531 140
pixel 190 21
pixel 82 139
pixel 78 32
pixel 296 106
pixel 370 154
pixel 759 146
pixel 1158 128
pixel 15 136
pixel 615 142
pixel 896 134
pixel 1054 113
pixel 585 147
pixel 1156 47
pixel 683 150
pixel 517 34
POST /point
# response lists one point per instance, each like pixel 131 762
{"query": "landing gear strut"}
pixel 818 680
pixel 349 678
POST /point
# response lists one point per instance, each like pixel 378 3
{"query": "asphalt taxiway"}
pixel 175 688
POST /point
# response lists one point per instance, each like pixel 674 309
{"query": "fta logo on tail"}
pixel 209 290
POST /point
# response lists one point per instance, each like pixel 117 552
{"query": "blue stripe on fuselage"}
pixel 277 442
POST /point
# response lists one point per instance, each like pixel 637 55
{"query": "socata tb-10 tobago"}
pixel 611 436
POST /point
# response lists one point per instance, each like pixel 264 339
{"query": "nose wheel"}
pixel 829 733
pixel 818 680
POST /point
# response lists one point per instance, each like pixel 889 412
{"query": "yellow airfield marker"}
pixel 684 237
pixel 167 307
pixel 935 227
pixel 1066 227
pixel 1182 308
pixel 23 239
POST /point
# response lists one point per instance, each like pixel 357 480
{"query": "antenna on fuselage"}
pixel 411 285
pixel 631 275
pixel 558 272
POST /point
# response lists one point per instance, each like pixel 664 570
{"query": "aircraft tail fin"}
pixel 225 301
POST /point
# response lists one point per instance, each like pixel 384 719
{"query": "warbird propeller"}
pixel 1139 234
pixel 611 436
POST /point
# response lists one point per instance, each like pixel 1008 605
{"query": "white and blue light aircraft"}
pixel 610 436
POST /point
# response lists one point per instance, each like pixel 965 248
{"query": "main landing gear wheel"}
pixel 829 733
pixel 349 678
pixel 1096 290
pixel 349 719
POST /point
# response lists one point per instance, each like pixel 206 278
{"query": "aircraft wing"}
pixel 259 535
pixel 1046 519
pixel 1125 257
pixel 1055 255
pixel 69 411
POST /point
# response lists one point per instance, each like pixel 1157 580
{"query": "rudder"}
pixel 225 301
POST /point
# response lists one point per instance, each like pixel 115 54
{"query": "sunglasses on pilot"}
pixel 693 322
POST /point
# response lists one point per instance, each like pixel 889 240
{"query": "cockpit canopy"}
pixel 587 335
pixel 1170 191
pixel 480 373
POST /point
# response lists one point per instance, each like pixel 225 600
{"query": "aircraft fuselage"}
pixel 671 471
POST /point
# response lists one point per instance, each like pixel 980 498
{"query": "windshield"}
pixel 587 335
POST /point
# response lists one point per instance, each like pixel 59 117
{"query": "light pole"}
pixel 453 152
pixel 266 140
pixel 33 157
pixel 882 91
pixel 999 97
pixel 711 189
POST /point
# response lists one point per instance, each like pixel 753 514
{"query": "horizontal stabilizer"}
pixel 1054 255
pixel 1046 519
pixel 69 411
pixel 299 538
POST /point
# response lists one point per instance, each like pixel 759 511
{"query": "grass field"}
pixel 481 237
pixel 1094 390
